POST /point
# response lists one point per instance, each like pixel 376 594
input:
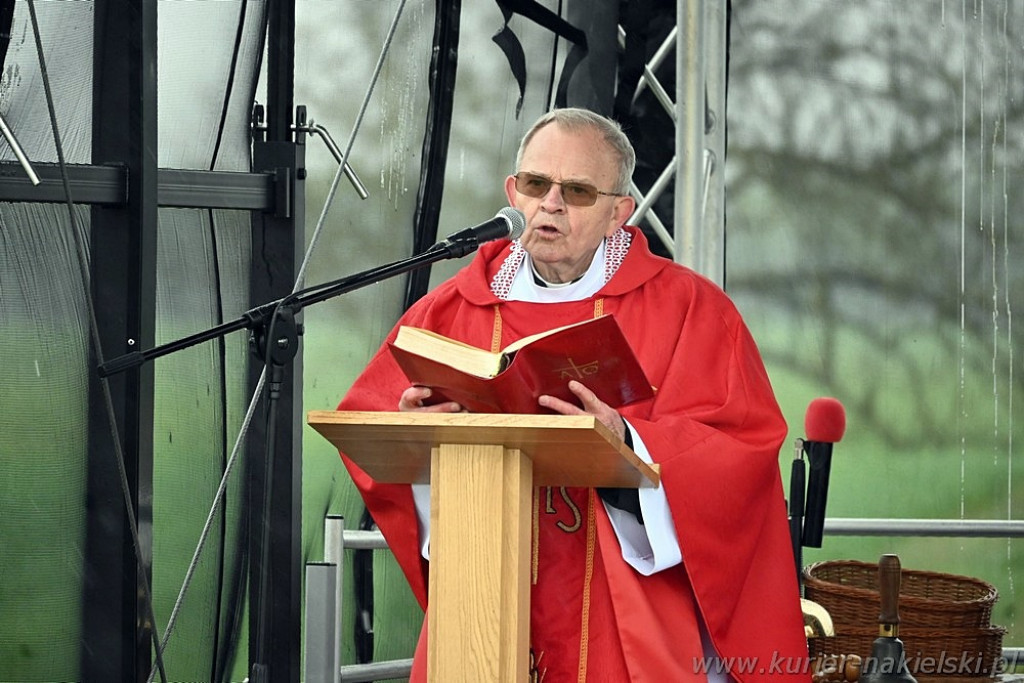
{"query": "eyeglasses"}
pixel 573 193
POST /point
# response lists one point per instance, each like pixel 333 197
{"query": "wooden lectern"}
pixel 482 469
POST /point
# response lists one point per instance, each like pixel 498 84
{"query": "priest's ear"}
pixel 621 211
pixel 510 191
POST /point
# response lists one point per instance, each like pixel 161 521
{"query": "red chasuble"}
pixel 715 429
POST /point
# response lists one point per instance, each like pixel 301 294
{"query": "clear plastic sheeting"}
pixel 207 71
pixel 209 53
pixel 45 341
pixel 874 234
pixel 65 29
pixel 43 431
pixel 200 398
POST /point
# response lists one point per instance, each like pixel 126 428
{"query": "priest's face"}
pixel 560 174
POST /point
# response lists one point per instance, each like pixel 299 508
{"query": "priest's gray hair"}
pixel 576 119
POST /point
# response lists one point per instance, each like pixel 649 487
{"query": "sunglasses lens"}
pixel 532 185
pixel 579 195
pixel 575 194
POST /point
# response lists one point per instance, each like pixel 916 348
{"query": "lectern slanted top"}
pixel 566 450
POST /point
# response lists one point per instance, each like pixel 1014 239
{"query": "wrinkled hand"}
pixel 592 405
pixel 413 397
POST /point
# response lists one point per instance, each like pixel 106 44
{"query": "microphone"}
pixel 824 424
pixel 508 223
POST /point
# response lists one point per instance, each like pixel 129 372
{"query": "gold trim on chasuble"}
pixel 536 675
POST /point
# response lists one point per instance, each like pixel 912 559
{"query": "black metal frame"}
pixel 115 635
pixel 278 241
pixel 108 186
pixel 279 237
pixel 124 188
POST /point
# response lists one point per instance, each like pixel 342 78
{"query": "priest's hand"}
pixel 413 397
pixel 592 405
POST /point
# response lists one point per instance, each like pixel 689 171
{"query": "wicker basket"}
pixel 848 589
pixel 931 654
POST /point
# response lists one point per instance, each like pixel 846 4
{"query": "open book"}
pixel 594 352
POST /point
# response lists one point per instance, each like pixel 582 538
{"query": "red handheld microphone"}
pixel 824 424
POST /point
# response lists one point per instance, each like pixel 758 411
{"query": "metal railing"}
pixel 322 652
pixel 950 528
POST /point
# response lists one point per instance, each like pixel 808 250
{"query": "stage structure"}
pixel 137 191
pixel 127 226
pixel 234 184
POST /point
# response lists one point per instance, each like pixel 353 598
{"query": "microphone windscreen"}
pixel 825 420
pixel 516 220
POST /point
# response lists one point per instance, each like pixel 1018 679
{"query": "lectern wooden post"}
pixel 482 469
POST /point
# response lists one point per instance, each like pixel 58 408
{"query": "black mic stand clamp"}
pixel 282 349
pixel 456 246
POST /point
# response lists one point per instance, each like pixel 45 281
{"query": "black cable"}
pixel 223 654
pixel 443 67
pixel 218 660
pixel 228 86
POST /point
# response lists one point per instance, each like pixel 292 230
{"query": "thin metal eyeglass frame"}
pixel 561 185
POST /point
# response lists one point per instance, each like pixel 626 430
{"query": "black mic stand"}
pixel 817 621
pixel 274 339
pixel 797 485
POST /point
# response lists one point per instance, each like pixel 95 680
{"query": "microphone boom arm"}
pixel 257 318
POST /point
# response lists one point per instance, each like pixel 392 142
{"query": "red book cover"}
pixel 594 352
